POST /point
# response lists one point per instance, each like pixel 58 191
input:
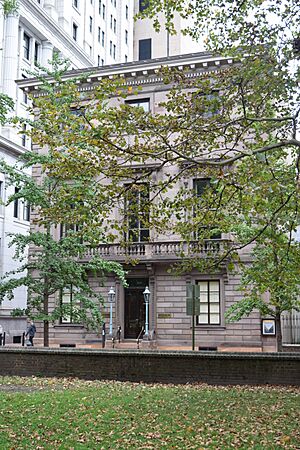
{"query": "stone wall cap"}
pixel 154 353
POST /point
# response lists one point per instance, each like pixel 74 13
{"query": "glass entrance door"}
pixel 134 307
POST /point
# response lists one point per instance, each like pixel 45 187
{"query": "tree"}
pixel 57 247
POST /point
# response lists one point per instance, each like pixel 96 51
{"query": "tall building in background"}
pixel 147 43
pixel 87 32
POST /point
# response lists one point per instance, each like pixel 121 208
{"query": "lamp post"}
pixel 111 299
pixel 146 294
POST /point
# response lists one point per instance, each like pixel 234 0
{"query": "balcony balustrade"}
pixel 157 251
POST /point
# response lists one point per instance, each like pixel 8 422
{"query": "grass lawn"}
pixel 39 413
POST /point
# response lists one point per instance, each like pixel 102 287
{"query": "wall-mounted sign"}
pixel 268 327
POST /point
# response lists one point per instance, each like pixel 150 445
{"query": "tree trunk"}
pixel 46 293
pixel 278 332
pixel 46 308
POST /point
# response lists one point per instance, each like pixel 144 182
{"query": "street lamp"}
pixel 111 299
pixel 146 294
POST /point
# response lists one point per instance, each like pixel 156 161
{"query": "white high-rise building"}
pixel 147 43
pixel 87 32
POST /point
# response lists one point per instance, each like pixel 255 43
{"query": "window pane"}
pixel 203 308
pixel 214 297
pixel 203 286
pixel 214 319
pixel 214 308
pixel 214 286
pixel 203 297
pixel 203 319
pixel 144 49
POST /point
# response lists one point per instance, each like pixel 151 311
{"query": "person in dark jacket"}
pixel 31 330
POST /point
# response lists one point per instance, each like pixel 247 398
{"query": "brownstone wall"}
pixel 164 367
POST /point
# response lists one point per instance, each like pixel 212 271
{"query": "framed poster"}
pixel 268 327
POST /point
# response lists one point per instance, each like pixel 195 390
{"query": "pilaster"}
pixel 47 53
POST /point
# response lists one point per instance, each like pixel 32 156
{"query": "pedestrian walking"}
pixel 31 330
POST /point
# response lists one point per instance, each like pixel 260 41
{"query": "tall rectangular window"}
pixel 137 213
pixel 24 136
pixel 70 305
pixel 103 12
pixel 99 7
pixel 75 3
pixel 199 186
pixel 111 21
pixel 16 204
pixel 26 46
pixel 114 51
pixel 99 60
pixel 91 24
pixel 110 48
pixel 36 53
pixel 210 313
pixel 99 34
pixel 144 49
pixel 115 26
pixel 75 32
pixel 143 4
pixel 103 38
pixel 126 37
pixel 126 12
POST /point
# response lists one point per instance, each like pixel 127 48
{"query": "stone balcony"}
pixel 168 251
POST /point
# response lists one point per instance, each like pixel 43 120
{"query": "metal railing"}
pixel 141 333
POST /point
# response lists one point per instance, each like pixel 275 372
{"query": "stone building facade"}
pixel 169 325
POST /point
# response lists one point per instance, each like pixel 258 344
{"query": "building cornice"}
pixel 140 72
pixel 10 147
pixel 30 8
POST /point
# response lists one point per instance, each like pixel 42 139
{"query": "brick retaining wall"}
pixel 150 366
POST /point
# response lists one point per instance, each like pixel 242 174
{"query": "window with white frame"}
pixel 199 187
pixel 210 302
pixel 70 305
pixel 137 213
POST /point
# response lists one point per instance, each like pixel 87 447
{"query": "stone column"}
pixel 47 53
pixel 10 55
